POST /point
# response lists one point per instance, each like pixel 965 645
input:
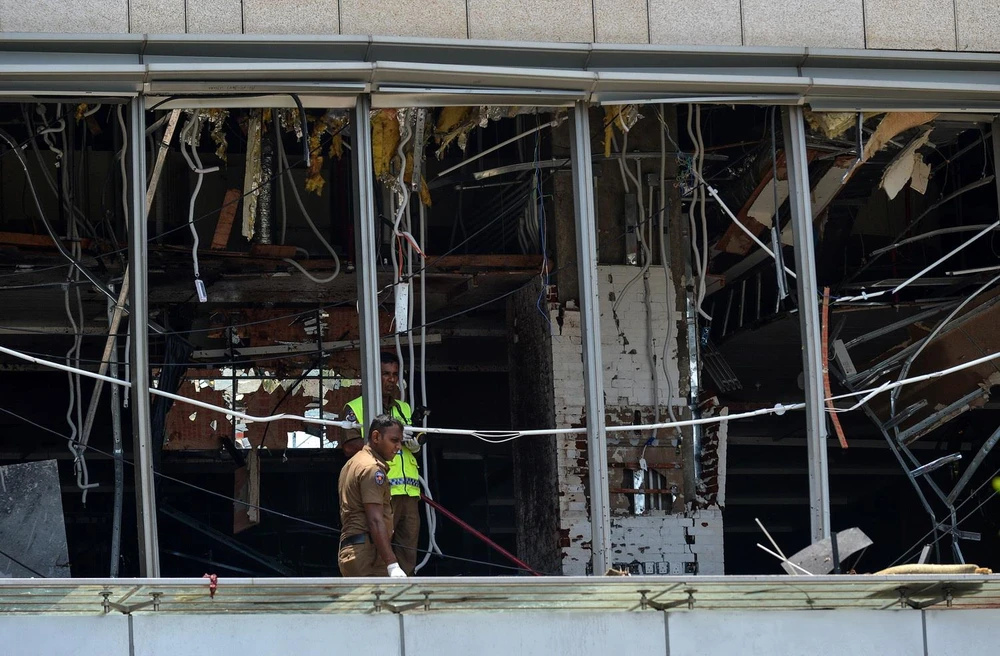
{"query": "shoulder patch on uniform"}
pixel 379 477
pixel 351 417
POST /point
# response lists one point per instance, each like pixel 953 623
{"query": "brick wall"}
pixel 677 535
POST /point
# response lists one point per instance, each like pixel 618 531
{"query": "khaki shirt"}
pixel 364 479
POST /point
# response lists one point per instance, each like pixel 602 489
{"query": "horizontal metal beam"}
pixel 305 347
pixel 449 70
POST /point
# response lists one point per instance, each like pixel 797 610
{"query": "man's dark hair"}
pixel 382 422
pixel 389 358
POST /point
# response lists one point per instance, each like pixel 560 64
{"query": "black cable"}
pixel 917 544
pixel 48 226
pixel 318 362
pixel 227 498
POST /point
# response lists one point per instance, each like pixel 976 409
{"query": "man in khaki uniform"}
pixel 366 504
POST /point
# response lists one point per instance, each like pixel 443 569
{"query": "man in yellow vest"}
pixel 404 472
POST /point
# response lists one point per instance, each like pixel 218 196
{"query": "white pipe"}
pixel 187 133
pixel 941 259
pixel 550 124
pixel 732 217
pixel 283 163
pixel 965 272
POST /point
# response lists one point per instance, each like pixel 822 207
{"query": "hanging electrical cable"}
pixel 48 226
pixel 702 202
pixel 242 502
pixel 666 358
pixel 431 514
pixel 189 138
pixel 312 226
pixel 508 435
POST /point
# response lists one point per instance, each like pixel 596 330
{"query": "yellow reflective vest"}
pixel 404 472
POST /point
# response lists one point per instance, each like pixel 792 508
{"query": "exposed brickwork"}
pixel 341 379
pixel 671 537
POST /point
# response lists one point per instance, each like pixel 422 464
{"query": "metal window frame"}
pixel 367 72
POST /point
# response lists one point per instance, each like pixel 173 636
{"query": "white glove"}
pixel 411 444
pixel 395 571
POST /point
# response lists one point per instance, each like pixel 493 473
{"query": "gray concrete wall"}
pixel 443 633
pixel 892 24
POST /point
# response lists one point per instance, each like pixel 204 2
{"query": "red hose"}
pixel 447 513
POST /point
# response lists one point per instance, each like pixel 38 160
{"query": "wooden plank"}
pixel 479 262
pixel 272 250
pixel 227 214
pixel 834 417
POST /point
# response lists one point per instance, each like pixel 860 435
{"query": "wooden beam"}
pixel 227 214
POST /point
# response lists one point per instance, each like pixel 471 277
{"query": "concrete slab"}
pixel 957 633
pixel 502 634
pixel 265 635
pixel 784 633
pixel 696 22
pixel 31 635
pixel 290 17
pixel 978 25
pixel 156 16
pixel 532 20
pixel 621 21
pixel 214 17
pixel 910 24
pixel 32 529
pixel 429 18
pixel 811 23
pixel 100 16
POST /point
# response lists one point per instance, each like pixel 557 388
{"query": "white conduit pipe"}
pixel 732 217
pixel 514 434
pixel 190 133
pixel 941 259
pixel 702 202
pixel 287 171
pixel 432 545
pixel 177 397
pixel 550 124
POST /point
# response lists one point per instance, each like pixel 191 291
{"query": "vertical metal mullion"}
pixel 365 247
pixel 809 323
pixel 586 260
pixel 149 552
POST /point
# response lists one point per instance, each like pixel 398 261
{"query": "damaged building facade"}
pixel 683 292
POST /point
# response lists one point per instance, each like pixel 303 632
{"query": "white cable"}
pixel 905 369
pixel 177 397
pixel 507 436
pixel 429 511
pixel 75 406
pixel 550 124
pixel 941 259
pixel 283 163
pixel 626 174
pixel 190 133
pixel 665 358
pixel 732 217
pixel 121 164
pixel 699 266
pixel 702 202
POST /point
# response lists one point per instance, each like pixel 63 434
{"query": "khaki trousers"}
pixel 405 530
pixel 360 560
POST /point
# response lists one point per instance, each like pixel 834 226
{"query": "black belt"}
pixel 360 538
